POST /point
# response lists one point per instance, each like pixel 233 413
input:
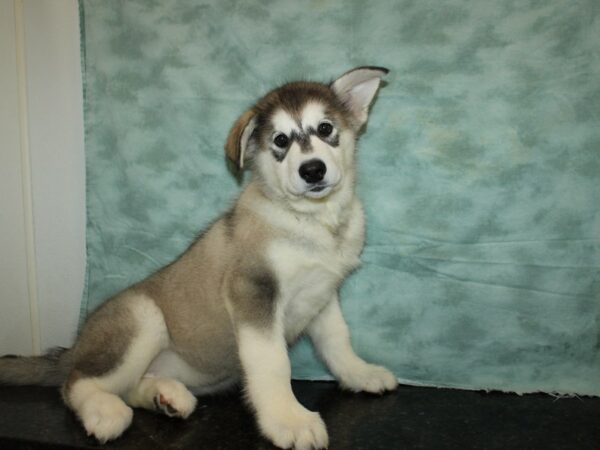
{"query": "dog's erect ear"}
pixel 357 88
pixel 236 146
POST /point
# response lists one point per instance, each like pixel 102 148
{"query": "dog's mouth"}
pixel 318 191
pixel 314 191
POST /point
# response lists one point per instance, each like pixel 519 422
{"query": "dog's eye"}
pixel 281 140
pixel 325 129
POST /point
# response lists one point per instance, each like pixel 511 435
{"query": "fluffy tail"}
pixel 50 369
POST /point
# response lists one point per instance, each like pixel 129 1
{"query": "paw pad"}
pixel 163 405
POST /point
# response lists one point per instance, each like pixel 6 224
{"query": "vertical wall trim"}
pixel 26 177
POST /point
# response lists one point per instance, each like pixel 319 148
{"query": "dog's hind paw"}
pixel 174 399
pixel 105 416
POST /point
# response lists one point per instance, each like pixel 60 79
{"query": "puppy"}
pixel 264 273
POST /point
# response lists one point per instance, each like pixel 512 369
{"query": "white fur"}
pixel 312 114
pixel 331 337
pixel 103 415
pixel 94 400
pixel 310 265
pixel 263 354
pixel 284 123
pixel 306 283
pixel 152 391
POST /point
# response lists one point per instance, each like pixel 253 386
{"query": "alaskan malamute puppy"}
pixel 264 273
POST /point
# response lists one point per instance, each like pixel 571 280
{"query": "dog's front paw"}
pixel 369 378
pixel 295 427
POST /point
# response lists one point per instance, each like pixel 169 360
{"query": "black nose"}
pixel 313 171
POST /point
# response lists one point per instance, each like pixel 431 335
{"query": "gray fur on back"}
pixel 50 369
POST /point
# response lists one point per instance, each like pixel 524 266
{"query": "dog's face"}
pixel 304 143
pixel 300 137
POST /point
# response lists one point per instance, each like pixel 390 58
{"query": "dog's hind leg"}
pixel 116 346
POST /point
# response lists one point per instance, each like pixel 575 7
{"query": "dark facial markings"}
pixel 279 154
pixel 303 139
pixel 332 138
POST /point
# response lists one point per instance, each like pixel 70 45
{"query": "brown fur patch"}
pixel 233 143
pixel 104 339
pixel 253 291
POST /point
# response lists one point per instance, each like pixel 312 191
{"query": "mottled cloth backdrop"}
pixel 479 169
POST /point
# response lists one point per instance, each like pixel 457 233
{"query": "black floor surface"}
pixel 411 418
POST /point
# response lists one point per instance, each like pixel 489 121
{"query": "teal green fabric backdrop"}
pixel 479 169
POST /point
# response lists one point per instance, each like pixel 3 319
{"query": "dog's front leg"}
pixel 330 336
pixel 266 366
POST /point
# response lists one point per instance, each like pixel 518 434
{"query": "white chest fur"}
pixel 310 263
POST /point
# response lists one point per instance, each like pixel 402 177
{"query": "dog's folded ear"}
pixel 238 145
pixel 357 87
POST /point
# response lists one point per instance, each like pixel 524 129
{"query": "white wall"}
pixel 41 138
pixel 15 314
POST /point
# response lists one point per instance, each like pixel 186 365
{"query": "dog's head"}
pixel 300 137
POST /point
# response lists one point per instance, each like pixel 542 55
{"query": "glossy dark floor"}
pixel 411 418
